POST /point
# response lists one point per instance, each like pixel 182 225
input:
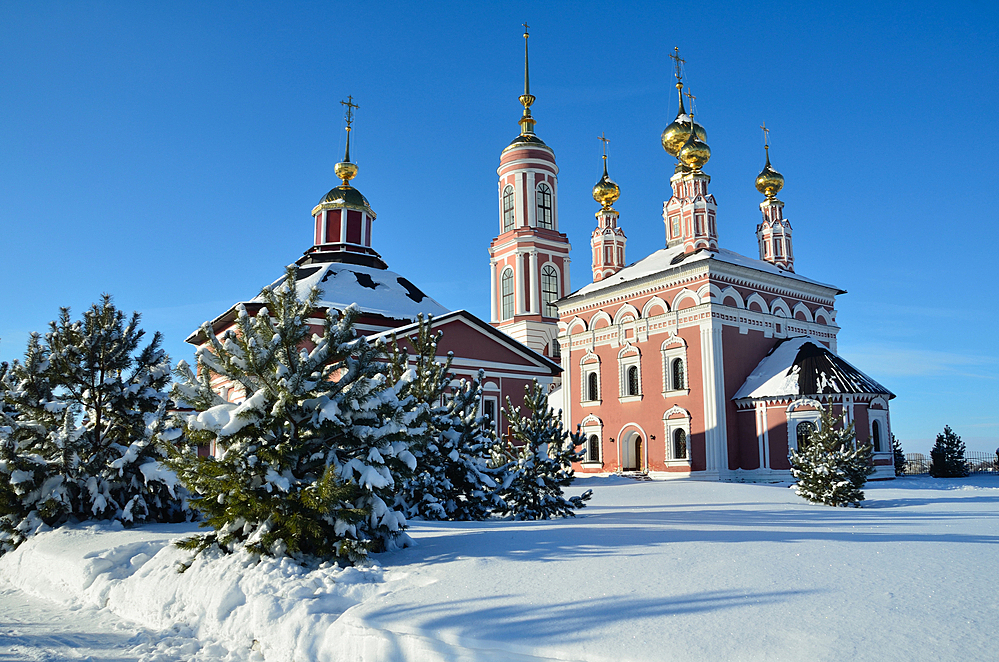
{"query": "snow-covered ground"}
pixel 674 570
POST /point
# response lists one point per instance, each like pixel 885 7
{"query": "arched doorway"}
pixel 633 452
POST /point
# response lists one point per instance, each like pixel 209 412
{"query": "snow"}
pixel 664 570
pixel 773 376
pixel 661 261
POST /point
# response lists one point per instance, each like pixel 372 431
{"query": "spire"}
pixel 769 182
pixel 774 232
pixel 346 170
pixel 607 240
pixel 678 131
pixel 606 192
pixel 677 61
pixel 526 99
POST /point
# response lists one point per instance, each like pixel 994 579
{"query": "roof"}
pixel 804 366
pixel 667 259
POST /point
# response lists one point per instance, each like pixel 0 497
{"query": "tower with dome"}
pixel 696 360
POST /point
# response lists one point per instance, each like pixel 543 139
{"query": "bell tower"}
pixel 608 239
pixel 774 232
pixel 690 213
pixel 529 258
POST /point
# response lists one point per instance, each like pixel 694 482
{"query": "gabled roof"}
pixel 487 330
pixel 802 366
pixel 667 259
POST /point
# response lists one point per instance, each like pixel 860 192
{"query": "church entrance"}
pixel 632 453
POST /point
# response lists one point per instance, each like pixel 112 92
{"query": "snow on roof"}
pixel 377 291
pixel 804 366
pixel 672 258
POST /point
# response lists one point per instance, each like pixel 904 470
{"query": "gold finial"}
pixel 691 97
pixel 346 170
pixel 769 182
pixel 677 61
pixel 526 99
pixel 695 152
pixel 606 192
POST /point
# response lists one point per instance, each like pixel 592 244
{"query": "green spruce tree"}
pixel 308 463
pixel 832 469
pixel 947 456
pixel 544 452
pixel 899 456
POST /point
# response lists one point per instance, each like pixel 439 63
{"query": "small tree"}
pixel 899 456
pixel 832 469
pixel 947 456
pixel 544 452
pixel 452 480
pixel 308 463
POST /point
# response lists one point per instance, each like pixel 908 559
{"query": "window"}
pixel 633 380
pixel 676 374
pixel 489 410
pixel 679 444
pixel 592 387
pixel 803 431
pixel 556 349
pixel 593 448
pixel 549 290
pixel 876 436
pixel 509 214
pixel 544 196
pixel 506 285
pixel 675 227
pixel 777 247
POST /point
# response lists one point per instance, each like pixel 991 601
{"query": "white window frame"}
pixel 794 416
pixel 629 357
pixel 588 365
pixel 881 416
pixel 672 423
pixel 545 303
pixel 675 347
pixel 512 293
pixel 508 213
pixel 593 426
pixel 539 194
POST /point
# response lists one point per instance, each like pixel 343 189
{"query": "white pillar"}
pixel 713 379
pixel 566 287
pixel 493 313
pixel 535 290
pixel 518 197
pixel 518 270
pixel 554 186
pixel 532 201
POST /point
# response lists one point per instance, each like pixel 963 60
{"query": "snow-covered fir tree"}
pixel 307 463
pixel 84 410
pixel 544 452
pixel 947 456
pixel 832 469
pixel 898 455
pixel 453 479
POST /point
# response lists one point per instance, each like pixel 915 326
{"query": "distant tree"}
pixel 947 456
pixel 309 462
pixel 832 469
pixel 896 448
pixel 544 453
pixel 451 442
pixel 82 412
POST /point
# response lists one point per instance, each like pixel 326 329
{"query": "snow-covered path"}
pixel 677 570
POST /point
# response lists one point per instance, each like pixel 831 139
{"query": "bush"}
pixel 831 469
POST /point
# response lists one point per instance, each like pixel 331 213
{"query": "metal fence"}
pixel 978 463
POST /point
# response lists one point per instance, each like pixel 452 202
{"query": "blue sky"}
pixel 171 153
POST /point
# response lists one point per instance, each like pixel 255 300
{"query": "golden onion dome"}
pixel 344 196
pixel 605 191
pixel 676 134
pixel 769 182
pixel 695 152
pixel 345 170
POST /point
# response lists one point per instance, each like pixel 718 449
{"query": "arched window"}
pixel 506 284
pixel 556 349
pixel 777 247
pixel 876 436
pixel 679 444
pixel 549 290
pixel 676 374
pixel 592 393
pixel 593 449
pixel 544 196
pixel 804 431
pixel 509 215
pixel 633 380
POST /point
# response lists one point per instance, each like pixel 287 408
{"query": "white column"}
pixel 518 271
pixel 713 379
pixel 535 290
pixel 518 196
pixel 493 313
pixel 532 201
pixel 566 287
pixel 554 186
pixel 763 433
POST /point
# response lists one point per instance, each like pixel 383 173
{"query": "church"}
pixel 693 361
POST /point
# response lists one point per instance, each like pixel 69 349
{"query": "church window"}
pixel 674 366
pixel 506 284
pixel 556 349
pixel 633 380
pixel 675 227
pixel 698 223
pixel 803 431
pixel 549 290
pixel 592 387
pixel 777 247
pixel 509 213
pixel 593 449
pixel 711 223
pixel 544 196
pixel 876 436
pixel 679 444
pixel 676 374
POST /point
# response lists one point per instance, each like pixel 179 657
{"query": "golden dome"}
pixel 769 182
pixel 605 191
pixel 345 170
pixel 676 134
pixel 695 152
